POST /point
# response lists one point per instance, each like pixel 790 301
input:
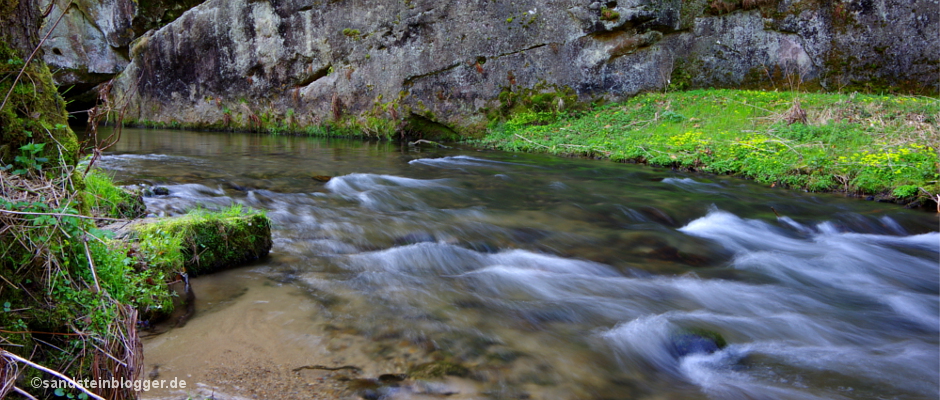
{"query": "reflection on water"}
pixel 527 276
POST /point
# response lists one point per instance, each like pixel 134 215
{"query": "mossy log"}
pixel 204 242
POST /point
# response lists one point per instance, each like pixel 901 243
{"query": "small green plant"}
pixel 352 33
pixel 28 160
pixel 672 116
pixel 905 191
pixel 60 392
pixel 379 127
pixel 608 14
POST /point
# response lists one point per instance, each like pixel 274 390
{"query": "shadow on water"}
pixel 473 274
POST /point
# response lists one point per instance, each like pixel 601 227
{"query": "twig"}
pixel 934 197
pixel 41 333
pixel 57 374
pixel 60 215
pixel 109 355
pixel 527 140
pixel 781 141
pixel 420 141
pixel 750 105
pixel 325 368
pixel 91 264
pixel 24 393
pixel 52 345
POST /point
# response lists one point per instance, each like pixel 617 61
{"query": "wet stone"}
pixel 528 235
pixel 482 247
pixel 669 253
pixel 438 369
pixel 413 238
pixel 697 341
pixel 658 216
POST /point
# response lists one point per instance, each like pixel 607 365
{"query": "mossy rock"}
pixel 203 242
pixel 34 114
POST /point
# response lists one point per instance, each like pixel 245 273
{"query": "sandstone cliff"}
pixel 89 44
pixel 449 65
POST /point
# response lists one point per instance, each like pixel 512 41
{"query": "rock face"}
pixel 85 44
pixel 450 65
pixel 89 44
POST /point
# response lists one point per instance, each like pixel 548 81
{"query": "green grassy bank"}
pixel 859 144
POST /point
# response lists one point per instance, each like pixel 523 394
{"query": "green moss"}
pixel 689 11
pixel 61 276
pixel 202 242
pixel 352 33
pixel 683 74
pixel 608 14
pixel 427 128
pixel 34 114
pixel 541 98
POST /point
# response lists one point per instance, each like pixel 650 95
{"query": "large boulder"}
pixel 452 65
pixel 89 44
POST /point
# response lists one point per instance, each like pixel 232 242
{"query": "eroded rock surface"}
pixel 89 45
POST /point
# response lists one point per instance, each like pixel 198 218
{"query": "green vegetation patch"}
pixel 860 144
pixel 202 242
pixel 66 284
pixel 105 199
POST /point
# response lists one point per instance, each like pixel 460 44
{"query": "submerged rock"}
pixel 438 369
pixel 481 246
pixel 693 341
pixel 414 237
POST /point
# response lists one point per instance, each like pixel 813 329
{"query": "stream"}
pixel 466 274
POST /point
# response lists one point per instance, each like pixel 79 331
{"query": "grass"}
pixel 105 199
pixel 859 144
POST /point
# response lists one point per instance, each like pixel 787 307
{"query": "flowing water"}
pixel 527 276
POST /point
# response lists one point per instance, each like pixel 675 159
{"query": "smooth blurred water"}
pixel 565 278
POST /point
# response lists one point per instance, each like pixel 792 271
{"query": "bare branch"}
pixel 57 374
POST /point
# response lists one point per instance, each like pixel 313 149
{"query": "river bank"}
pixel 874 147
pixel 878 147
